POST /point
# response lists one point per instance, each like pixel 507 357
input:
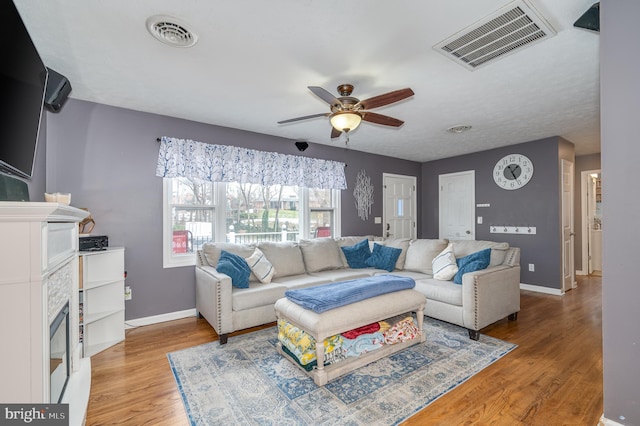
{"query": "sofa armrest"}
pixel 214 298
pixel 490 295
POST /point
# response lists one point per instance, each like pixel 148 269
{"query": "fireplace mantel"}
pixel 16 211
pixel 39 240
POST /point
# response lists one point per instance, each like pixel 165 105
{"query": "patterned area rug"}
pixel 246 382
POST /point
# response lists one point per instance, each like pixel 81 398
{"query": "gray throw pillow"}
pixel 285 257
pixel 320 254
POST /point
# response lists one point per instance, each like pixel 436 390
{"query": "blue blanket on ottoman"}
pixel 329 296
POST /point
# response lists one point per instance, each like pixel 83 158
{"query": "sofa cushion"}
pixel 421 253
pixel 473 262
pixel 401 243
pixel 357 254
pixel 212 251
pixel 285 257
pixel 463 248
pixel 444 265
pixel 256 295
pixel 347 274
pixel 236 267
pixel 441 291
pixel 383 257
pixel 260 266
pixel 303 280
pixel 348 241
pixel 320 254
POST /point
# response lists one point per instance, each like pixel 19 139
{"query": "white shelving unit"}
pixel 102 299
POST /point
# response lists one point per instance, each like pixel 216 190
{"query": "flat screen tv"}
pixel 23 80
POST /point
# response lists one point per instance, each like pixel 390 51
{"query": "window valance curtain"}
pixel 224 163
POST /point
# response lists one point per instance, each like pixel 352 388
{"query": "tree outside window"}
pixel 199 212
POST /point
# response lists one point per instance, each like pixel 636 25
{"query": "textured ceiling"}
pixel 253 61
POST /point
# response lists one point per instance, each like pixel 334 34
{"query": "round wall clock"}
pixel 513 171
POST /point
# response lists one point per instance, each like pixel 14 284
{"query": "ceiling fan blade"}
pixel 335 133
pixel 324 95
pixel 291 120
pixel 385 120
pixel 386 98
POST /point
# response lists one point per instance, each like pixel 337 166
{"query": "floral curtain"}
pixel 223 163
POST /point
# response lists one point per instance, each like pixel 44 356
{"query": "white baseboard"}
pixel 541 289
pixel 155 319
pixel 606 422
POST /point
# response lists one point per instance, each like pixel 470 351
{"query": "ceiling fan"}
pixel 347 112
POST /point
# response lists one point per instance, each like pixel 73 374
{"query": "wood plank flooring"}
pixel 554 377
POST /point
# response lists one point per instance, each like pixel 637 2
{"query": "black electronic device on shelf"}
pixel 94 243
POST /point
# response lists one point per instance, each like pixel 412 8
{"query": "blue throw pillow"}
pixel 236 267
pixel 357 254
pixel 473 262
pixel 383 257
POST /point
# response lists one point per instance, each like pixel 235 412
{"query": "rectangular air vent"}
pixel 502 33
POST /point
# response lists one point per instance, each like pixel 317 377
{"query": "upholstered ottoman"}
pixel 348 317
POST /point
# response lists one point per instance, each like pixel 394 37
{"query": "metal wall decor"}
pixel 363 193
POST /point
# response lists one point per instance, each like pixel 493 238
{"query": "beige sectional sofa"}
pixel 484 297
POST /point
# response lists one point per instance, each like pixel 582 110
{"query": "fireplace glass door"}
pixel 59 354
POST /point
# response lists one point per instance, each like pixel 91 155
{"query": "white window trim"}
pixel 171 260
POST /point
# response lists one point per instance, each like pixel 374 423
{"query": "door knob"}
pixel 468 232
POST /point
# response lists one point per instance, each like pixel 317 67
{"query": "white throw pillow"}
pixel 444 265
pixel 260 266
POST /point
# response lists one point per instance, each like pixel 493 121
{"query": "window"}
pixel 196 213
pixel 189 219
pixel 322 215
pixel 262 213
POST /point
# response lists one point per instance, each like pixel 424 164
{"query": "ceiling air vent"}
pixel 171 31
pixel 502 33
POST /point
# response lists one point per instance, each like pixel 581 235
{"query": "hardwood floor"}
pixel 554 377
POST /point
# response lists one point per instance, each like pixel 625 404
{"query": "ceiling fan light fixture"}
pixel 345 121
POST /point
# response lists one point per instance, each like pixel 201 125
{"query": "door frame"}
pixel 570 166
pixel 414 212
pixel 585 227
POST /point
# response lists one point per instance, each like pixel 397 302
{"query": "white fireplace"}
pixel 39 280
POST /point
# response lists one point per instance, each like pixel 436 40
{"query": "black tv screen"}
pixel 23 78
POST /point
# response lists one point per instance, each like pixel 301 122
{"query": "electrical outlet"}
pixel 532 267
pixel 127 293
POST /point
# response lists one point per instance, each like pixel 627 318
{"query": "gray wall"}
pixel 620 108
pixel 583 163
pixel 536 204
pixel 106 157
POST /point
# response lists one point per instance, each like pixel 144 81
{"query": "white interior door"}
pixel 400 210
pixel 457 201
pixel 568 270
pixel 591 210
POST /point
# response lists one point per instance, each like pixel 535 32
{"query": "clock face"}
pixel 513 171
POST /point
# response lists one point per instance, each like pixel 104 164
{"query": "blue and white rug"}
pixel 246 382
